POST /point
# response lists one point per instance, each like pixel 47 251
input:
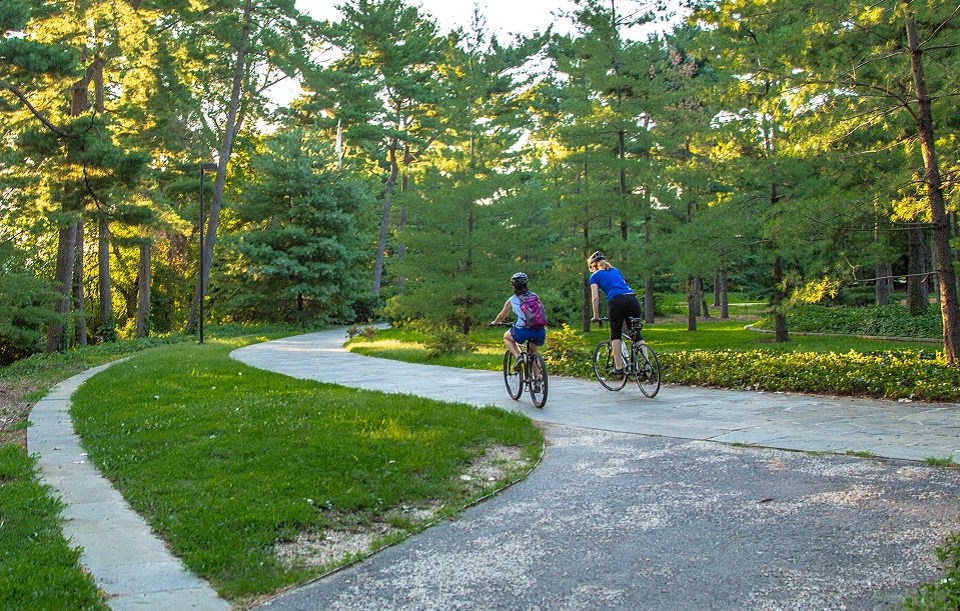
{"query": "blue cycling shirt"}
pixel 611 282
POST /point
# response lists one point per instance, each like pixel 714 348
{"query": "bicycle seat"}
pixel 635 323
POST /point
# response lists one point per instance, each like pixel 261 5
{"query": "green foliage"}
pixel 296 242
pixel 891 320
pixel 445 341
pixel 890 374
pixel 944 594
pixel 367 332
pixel 26 306
pixel 567 352
pixel 38 570
pixel 261 457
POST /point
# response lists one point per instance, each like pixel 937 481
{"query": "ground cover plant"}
pixel 231 464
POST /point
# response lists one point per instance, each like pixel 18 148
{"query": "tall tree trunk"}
pixel 692 300
pixel 67 239
pixel 587 310
pixel 385 220
pixel 648 305
pixel 79 303
pixel 940 228
pixel 697 292
pixel 934 278
pixel 955 232
pixel 917 299
pixel 107 330
pixel 777 299
pixel 724 296
pixel 66 249
pixel 701 297
pixel 143 291
pixel 231 127
pixel 881 285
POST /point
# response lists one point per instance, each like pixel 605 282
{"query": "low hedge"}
pixel 891 374
pixel 890 320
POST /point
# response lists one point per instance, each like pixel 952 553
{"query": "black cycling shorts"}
pixel 618 309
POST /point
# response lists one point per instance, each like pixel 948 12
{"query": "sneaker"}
pixel 616 373
pixel 519 366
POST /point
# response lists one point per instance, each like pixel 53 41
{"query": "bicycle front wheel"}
pixel 603 364
pixel 538 379
pixel 512 379
pixel 648 371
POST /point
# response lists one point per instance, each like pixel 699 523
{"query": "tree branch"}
pixel 36 113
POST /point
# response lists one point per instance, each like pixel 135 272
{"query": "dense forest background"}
pixel 794 150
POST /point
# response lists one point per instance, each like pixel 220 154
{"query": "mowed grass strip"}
pixel 226 461
pixel 38 570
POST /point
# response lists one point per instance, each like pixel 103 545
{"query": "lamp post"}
pixel 204 167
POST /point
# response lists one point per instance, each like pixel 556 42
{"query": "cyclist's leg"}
pixel 615 314
pixel 511 343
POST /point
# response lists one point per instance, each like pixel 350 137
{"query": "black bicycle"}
pixel 639 361
pixel 531 372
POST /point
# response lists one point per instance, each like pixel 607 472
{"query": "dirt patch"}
pixel 497 463
pixel 13 412
pixel 496 468
pixel 332 546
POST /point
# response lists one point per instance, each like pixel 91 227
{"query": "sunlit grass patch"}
pixel 228 462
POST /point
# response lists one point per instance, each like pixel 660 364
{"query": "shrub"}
pixel 890 374
pixel 367 332
pixel 566 353
pixel 445 341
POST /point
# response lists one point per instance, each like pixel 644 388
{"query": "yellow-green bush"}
pixel 919 375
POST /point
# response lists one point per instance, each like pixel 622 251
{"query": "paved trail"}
pixel 636 507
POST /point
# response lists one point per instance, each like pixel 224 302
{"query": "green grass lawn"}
pixel 231 464
pixel 38 570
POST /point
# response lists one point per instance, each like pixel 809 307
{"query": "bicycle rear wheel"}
pixel 538 379
pixel 512 379
pixel 648 371
pixel 603 364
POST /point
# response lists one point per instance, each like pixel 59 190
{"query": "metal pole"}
pixel 201 283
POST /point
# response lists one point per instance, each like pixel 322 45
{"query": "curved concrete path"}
pixel 601 486
pixel 129 563
pixel 634 507
pixel 913 431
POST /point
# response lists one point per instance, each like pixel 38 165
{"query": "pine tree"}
pixel 294 245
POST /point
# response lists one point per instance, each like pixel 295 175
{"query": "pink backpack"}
pixel 533 312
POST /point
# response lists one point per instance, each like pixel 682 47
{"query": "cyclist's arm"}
pixel 503 313
pixel 595 300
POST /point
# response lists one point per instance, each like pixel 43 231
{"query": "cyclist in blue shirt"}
pixel 518 332
pixel 621 301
